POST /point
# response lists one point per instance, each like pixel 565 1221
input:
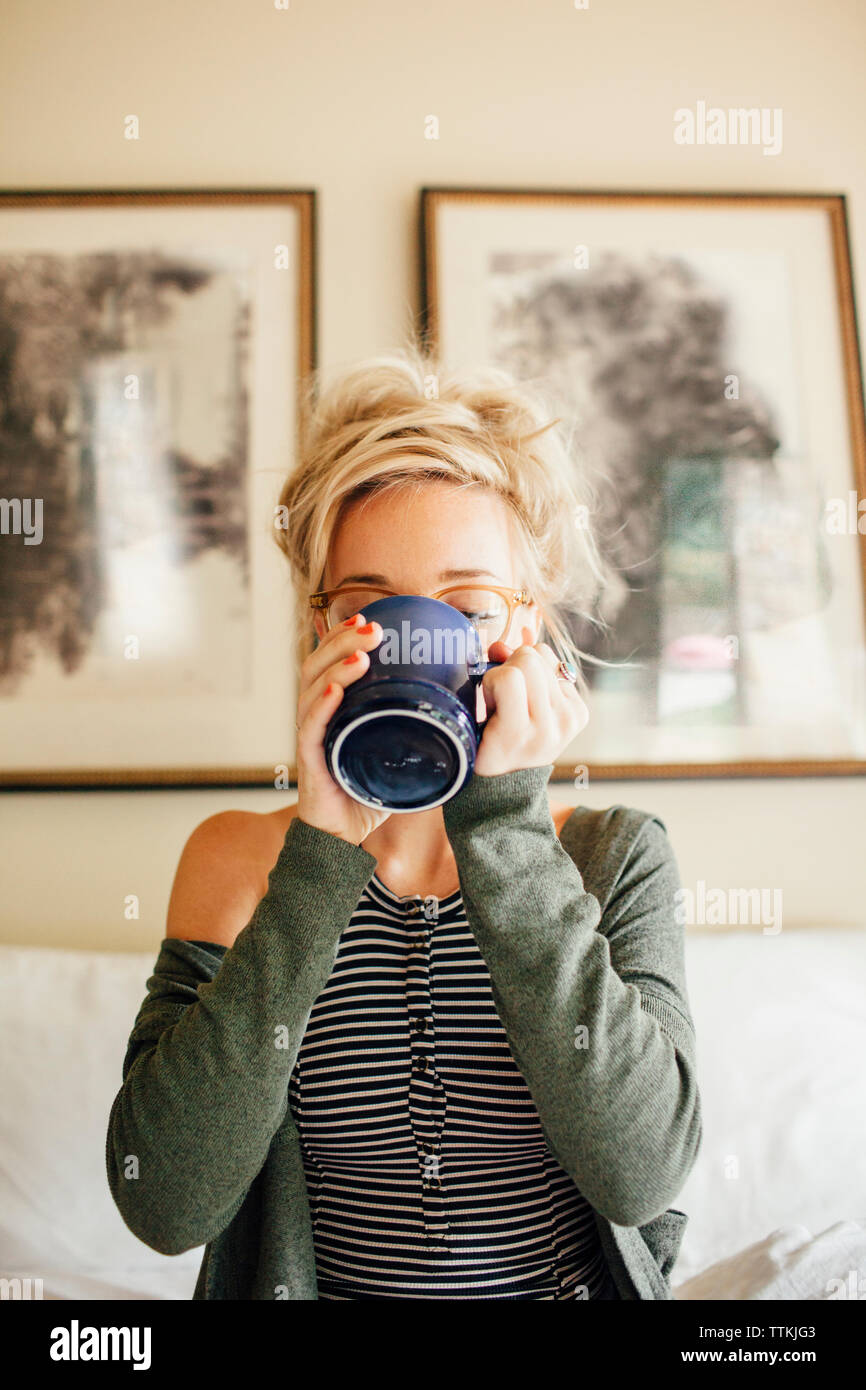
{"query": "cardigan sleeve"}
pixel 208 1062
pixel 595 1008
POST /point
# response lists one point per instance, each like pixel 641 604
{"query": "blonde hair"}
pixel 401 418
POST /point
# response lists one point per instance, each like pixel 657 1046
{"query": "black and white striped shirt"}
pixel 427 1169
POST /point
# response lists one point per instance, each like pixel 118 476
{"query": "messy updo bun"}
pixel 400 418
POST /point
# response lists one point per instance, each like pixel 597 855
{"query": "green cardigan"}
pixel 586 963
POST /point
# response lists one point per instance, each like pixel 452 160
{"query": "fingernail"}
pixel 367 628
pixel 347 661
pixel 350 622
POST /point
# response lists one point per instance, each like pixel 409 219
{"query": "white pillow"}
pixel 65 1017
pixel 790 1264
pixel 781 1038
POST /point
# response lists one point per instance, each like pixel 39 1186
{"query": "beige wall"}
pixel 334 96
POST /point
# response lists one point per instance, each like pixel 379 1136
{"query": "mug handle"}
pixel 476 676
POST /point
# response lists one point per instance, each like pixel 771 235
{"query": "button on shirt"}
pixel 427 1169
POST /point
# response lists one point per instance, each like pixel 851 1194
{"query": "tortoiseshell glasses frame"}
pixel 514 598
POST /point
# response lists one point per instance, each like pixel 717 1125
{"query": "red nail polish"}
pixel 347 661
pixel 350 622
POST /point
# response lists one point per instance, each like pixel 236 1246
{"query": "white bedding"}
pixel 779 1185
pixel 789 1264
pixel 781 1036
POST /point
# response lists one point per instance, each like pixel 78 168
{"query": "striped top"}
pixel 427 1168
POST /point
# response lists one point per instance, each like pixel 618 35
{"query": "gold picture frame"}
pixel 161 515
pixel 499 266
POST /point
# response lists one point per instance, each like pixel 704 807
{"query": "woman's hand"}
pixel 533 714
pixel 324 675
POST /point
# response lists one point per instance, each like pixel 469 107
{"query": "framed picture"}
pixel 702 353
pixel 151 345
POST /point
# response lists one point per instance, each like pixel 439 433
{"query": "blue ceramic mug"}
pixel 405 734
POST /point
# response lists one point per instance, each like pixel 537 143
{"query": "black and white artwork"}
pixel 140 440
pixel 695 353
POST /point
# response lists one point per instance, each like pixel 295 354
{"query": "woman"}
pixel 445 1054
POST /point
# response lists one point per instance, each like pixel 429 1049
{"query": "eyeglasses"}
pixel 489 608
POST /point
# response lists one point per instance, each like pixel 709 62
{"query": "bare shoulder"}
pixel 560 813
pixel 223 873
